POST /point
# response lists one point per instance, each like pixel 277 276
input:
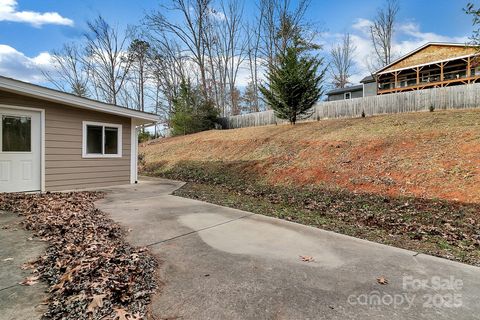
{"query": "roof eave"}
pixel 34 91
pixel 418 49
pixel 343 90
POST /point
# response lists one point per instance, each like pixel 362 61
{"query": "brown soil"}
pixel 428 155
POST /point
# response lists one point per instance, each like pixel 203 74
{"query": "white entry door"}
pixel 20 150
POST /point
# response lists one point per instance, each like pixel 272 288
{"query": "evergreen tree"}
pixel 294 84
pixel 191 112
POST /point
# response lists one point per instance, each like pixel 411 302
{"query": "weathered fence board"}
pixel 458 97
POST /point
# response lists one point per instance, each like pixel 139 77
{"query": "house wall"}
pixel 65 169
pixel 370 89
pixel 340 96
pixel 432 53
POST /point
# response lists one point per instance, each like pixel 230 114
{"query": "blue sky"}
pixel 29 29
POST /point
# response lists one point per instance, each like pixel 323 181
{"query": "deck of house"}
pixel 433 66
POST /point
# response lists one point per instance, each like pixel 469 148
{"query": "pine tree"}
pixel 294 84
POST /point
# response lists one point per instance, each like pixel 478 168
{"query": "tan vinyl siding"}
pixel 65 169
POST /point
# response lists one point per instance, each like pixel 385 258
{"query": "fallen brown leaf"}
pixel 307 258
pixel 382 280
pixel 97 301
pixel 121 314
pixel 88 263
pixel 28 265
pixel 29 281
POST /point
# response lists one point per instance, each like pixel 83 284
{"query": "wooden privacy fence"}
pixel 458 97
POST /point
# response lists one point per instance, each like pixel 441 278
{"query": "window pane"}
pixel 16 133
pixel 94 139
pixel 111 140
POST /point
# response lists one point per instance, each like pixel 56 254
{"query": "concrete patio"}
pixel 221 263
pixel 18 302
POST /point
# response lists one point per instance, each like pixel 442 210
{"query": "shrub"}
pixel 144 136
pixel 191 112
pixel 141 159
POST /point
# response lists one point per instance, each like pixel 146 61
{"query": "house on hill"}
pixel 346 93
pixel 433 65
pixel 366 88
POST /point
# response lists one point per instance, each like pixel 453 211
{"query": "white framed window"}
pixel 15 133
pixel 101 140
pixel 347 95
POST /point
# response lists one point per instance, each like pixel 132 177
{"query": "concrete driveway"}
pixel 221 263
pixel 18 302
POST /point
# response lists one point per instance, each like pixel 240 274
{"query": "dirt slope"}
pixel 433 155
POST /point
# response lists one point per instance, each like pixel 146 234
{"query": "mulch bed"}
pixel 92 272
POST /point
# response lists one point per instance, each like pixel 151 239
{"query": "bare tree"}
pixel 236 47
pixel 250 98
pixel 69 73
pixel 381 31
pixel 138 54
pixel 236 99
pixel 167 69
pixel 210 38
pixel 226 50
pixel 282 22
pixel 216 57
pixel 254 64
pixel 189 31
pixel 341 63
pixel 268 29
pixel 107 59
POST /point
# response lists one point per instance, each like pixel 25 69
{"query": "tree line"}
pixel 183 61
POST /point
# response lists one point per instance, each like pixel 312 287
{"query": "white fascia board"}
pixel 48 94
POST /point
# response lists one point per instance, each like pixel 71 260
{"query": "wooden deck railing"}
pixel 433 84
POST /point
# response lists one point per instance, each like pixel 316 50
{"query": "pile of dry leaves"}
pixel 92 272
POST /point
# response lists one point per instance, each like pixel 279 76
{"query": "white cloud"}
pixel 413 30
pixel 218 15
pixel 362 25
pixel 244 76
pixel 416 38
pixel 15 64
pixel 8 12
pixel 43 59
